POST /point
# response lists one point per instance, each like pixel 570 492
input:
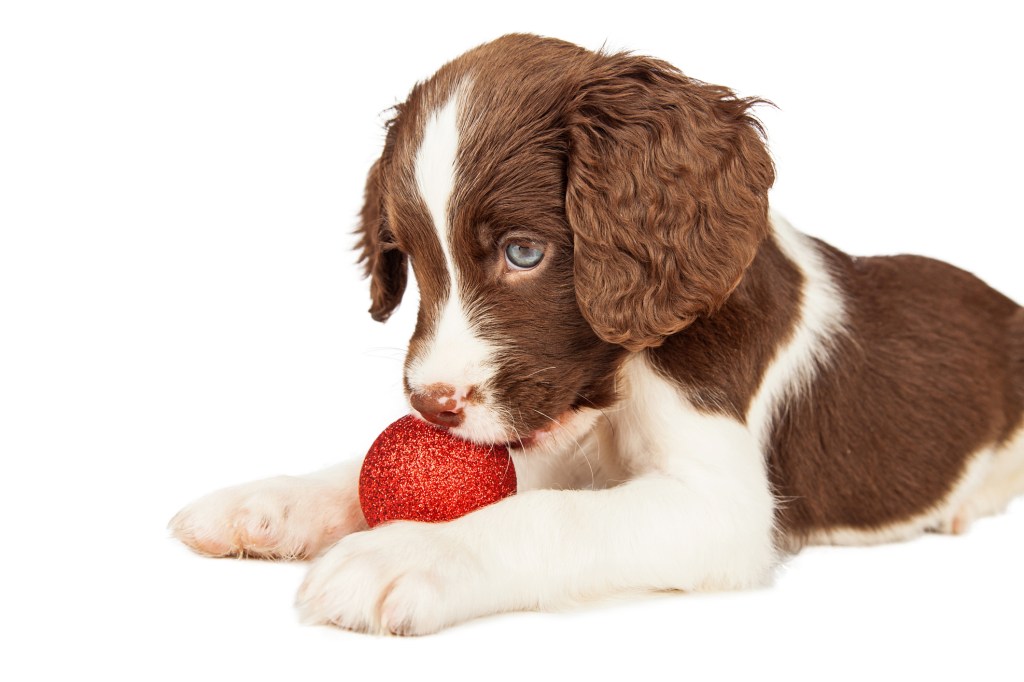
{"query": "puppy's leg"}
pixel 545 548
pixel 289 517
pixel 286 517
pixel 1003 481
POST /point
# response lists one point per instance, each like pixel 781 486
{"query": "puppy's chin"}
pixel 564 432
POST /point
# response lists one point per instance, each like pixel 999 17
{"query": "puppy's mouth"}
pixel 480 425
pixel 542 435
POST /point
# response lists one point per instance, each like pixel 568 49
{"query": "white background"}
pixel 180 310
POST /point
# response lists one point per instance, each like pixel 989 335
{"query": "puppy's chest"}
pixel 658 427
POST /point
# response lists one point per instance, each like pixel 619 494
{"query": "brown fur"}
pixel 667 197
pixel 917 386
pixel 517 189
pixel 385 264
pixel 721 358
pixel 649 191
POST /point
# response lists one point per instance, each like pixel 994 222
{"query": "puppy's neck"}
pixel 721 358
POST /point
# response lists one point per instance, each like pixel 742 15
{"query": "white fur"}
pixel 436 167
pixel 1002 483
pixel 821 317
pixel 282 517
pixel 456 354
pixel 695 514
pixel 572 455
pixel 656 430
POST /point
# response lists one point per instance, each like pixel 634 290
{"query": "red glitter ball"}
pixel 417 472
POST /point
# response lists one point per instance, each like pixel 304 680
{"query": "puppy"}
pixel 691 388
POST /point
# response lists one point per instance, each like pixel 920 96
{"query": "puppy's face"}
pixel 475 199
pixel 540 193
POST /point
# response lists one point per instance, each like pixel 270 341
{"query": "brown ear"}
pixel 385 265
pixel 667 186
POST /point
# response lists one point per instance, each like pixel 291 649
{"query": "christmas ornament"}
pixel 417 472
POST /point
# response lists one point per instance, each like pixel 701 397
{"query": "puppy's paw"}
pixel 277 518
pixel 404 578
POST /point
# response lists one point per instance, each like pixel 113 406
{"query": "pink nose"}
pixel 438 405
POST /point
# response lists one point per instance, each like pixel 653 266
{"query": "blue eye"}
pixel 523 256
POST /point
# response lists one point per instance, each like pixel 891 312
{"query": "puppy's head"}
pixel 560 209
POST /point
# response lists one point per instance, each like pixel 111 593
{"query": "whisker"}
pixel 506 414
pixel 579 447
pixel 544 369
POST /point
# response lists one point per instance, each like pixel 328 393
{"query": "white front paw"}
pixel 277 518
pixel 404 578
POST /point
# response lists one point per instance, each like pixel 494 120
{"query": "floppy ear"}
pixel 667 184
pixel 385 265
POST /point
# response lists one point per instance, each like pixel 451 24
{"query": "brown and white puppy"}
pixel 690 386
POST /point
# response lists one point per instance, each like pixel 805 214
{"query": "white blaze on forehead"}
pixel 435 171
pixel 455 354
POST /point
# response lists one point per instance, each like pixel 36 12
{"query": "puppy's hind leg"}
pixel 1005 479
pixel 1002 483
